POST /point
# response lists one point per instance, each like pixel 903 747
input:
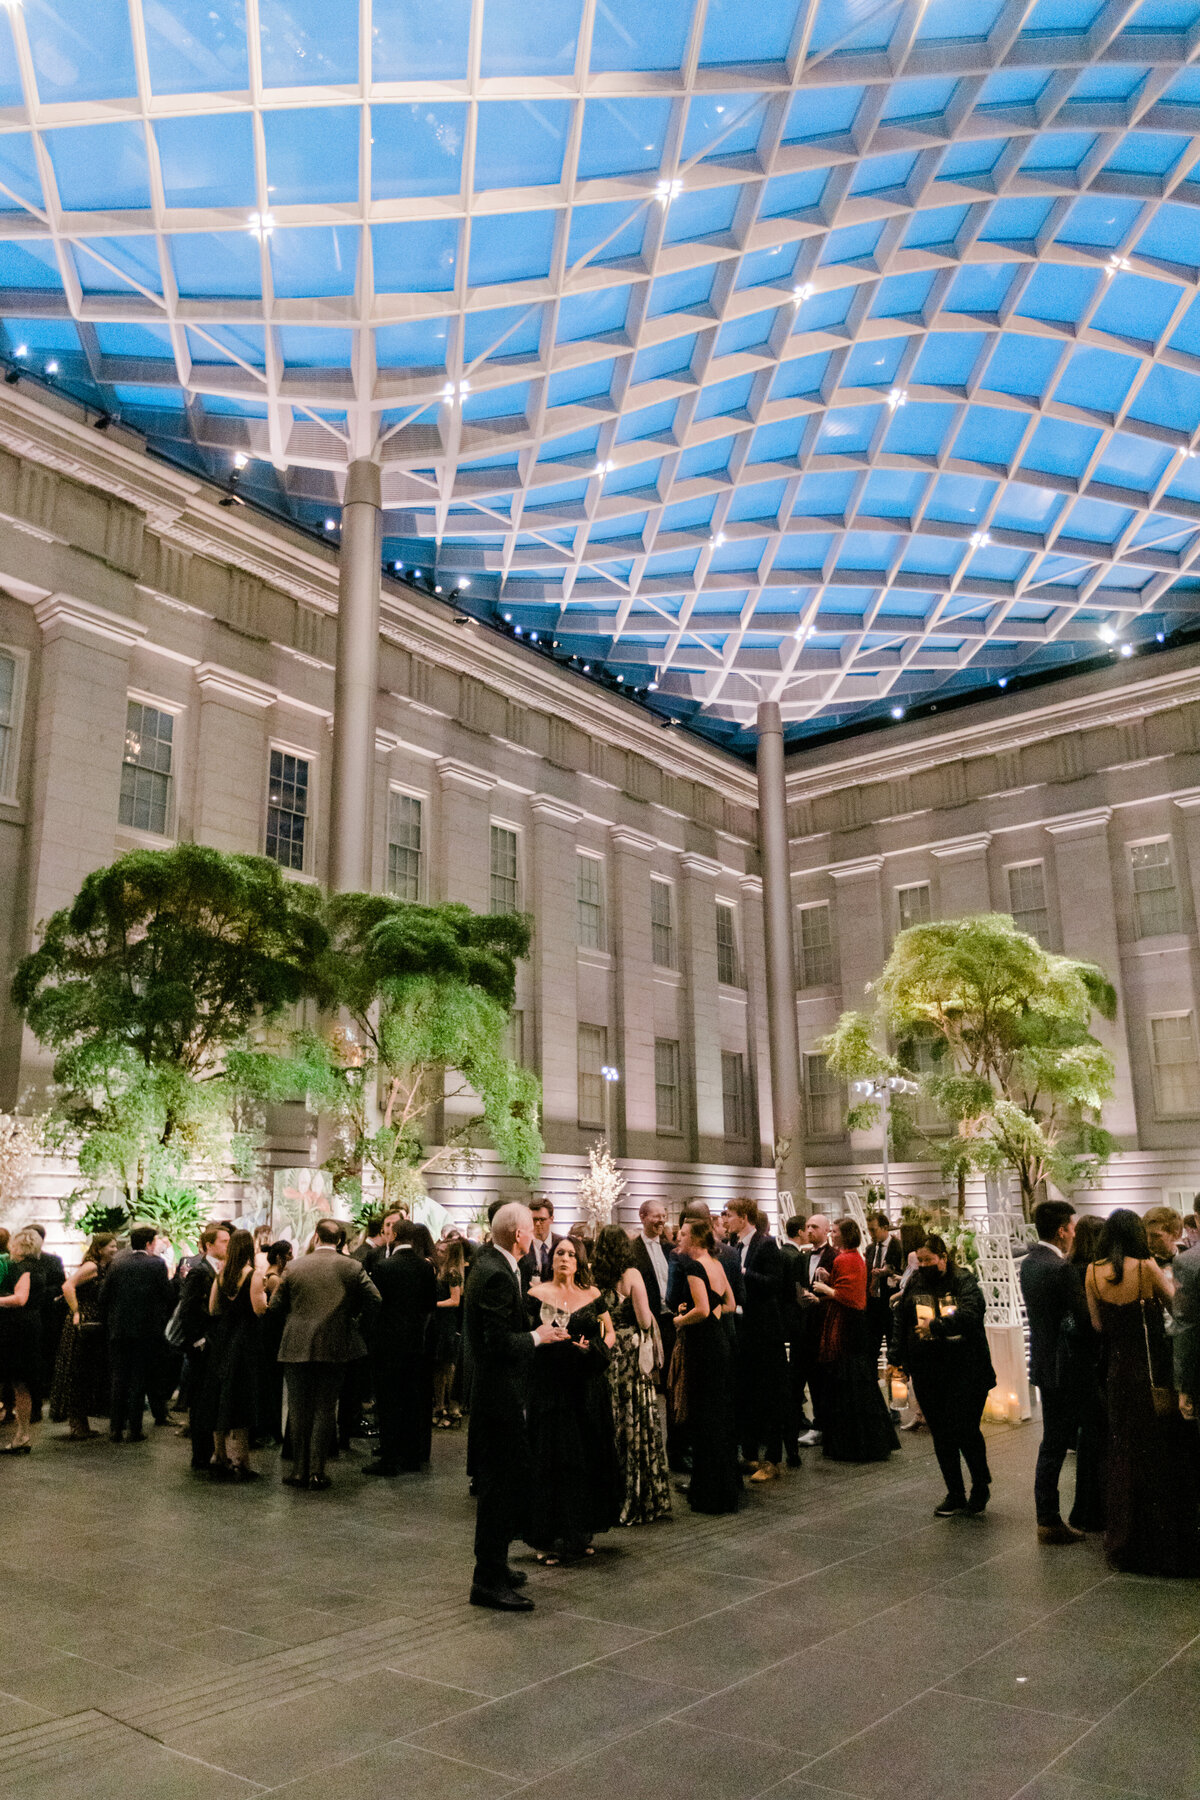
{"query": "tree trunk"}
pixel 962 1193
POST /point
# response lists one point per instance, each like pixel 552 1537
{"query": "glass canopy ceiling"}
pixel 836 352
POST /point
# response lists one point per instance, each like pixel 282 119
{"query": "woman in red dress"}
pixel 856 1426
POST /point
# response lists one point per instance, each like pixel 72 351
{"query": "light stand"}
pixel 881 1088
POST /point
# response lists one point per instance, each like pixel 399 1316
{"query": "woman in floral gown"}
pixel 647 1493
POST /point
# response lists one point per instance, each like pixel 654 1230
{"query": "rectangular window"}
pixel 815 946
pixel 589 902
pixel 1027 901
pixel 912 904
pixel 506 884
pixel 287 809
pixel 668 1105
pixel 826 1100
pixel 8 720
pixel 922 1061
pixel 1176 1070
pixel 662 924
pixel 146 769
pixel 733 1093
pixel 404 846
pixel 1155 896
pixel 514 1037
pixel 593 1053
pixel 729 969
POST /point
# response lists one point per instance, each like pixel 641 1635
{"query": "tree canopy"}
pixel 1016 1071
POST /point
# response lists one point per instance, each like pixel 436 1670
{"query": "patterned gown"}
pixel 647 1492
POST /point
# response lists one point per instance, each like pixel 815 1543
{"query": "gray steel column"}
pixel 356 681
pixel 786 1101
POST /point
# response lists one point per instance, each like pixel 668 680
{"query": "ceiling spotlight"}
pixel 1160 637
pixel 437 590
pixel 897 712
pixel 897 397
pixel 802 293
pixel 240 460
pixel 652 687
pixel 464 582
pixel 1126 649
pixel 533 637
pixel 980 540
pixel 1003 681
pixel 666 191
pixel 331 524
pixel 22 350
pixel 398 568
pixel 507 617
pixel 260 225
pixel 1106 634
pixel 719 539
pixel 620 679
pixel 52 367
pixel 605 468
pixel 1115 264
pixel 456 389
pixel 518 630
pixel 587 668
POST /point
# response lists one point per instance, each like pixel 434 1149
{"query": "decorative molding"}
pixel 751 885
pixel 624 837
pixel 964 847
pixel 218 683
pixel 1084 824
pixel 463 776
pixel 59 610
pixel 700 865
pixel 849 871
pixel 550 810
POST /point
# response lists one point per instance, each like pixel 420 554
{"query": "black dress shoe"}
pixel 137 1437
pixel 949 1507
pixel 378 1468
pixel 795 1461
pixel 319 1483
pixel 979 1497
pixel 516 1578
pixel 501 1599
pixel 118 1437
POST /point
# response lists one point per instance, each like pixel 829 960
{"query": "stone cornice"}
pixel 217 683
pixel 550 810
pixel 1084 824
pixel 973 846
pixel 624 837
pixel 59 610
pixel 700 865
pixel 462 775
pixel 851 871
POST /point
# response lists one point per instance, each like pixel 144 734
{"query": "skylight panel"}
pixel 909 101
pixel 1060 448
pixel 511 247
pixel 420 43
pixel 622 137
pixel 81 49
pixel 947 358
pixel 314 260
pixel 1168 397
pixel 847 430
pixel 1022 364
pixel 873 364
pixel 705 212
pixel 1012 87
pixel 207 160
pixel 1133 462
pixel 1136 306
pixel 1100 221
pixel 893 493
pixel 315 347
pixel 989 434
pixel 901 296
pixel 1059 292
pixel 416 258
pixel 520 143
pixel 966 21
pixel 1171 235
pixel 795 193
pixel 852 243
pixel 1096 378
pixel 722 125
pixel 1062 15
pixel 11 91
pixel 683 292
pixel 100 168
pixel 210 264
pixel 1096 521
pixel 608 233
pixel 971 159
pixel 30 264
pixel 979 288
pixel 308 43
pixel 735 33
pixel 312 154
pixel 502 331
pixel 530 37
pixel 592 315
pixel 822 112
pixel 876 173
pixel 1152 153
pixel 938 225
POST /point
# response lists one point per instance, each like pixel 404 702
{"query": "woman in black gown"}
pixel 708 1390
pixel 940 1341
pixel 21 1290
pixel 236 1303
pixel 857 1425
pixel 576 1487
pixel 1151 1509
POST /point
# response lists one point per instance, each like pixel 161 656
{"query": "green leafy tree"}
pixel 422 995
pixel 1017 1073
pixel 141 987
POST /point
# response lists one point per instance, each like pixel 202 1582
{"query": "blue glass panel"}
pixel 1169 397
pixel 82 49
pixel 642 474
pixel 234 407
pixel 11 91
pixel 960 499
pixel 866 550
pixel 1012 87
pixel 759 500
pixel 901 294
pixel 315 347
pixel 793 193
pixel 484 333
pixel 876 173
pixel 946 358
pixel 419 344
pixel 919 428
pixel 28 264
pixel 651 421
pixel 745 334
pixel 847 430
pixel 134 340
pixel 418 258
pixel 1136 306
pixel 926 556
pixel 851 243
pixel 420 43
pixel 807 551
pixel 41 335
pixel 530 37
pixel 1058 150
pixel 1026 508
pixel 1058 291
pixel 920 99
pixel 725 124
pixel 979 288
pixel 705 212
pixel 1098 220
pixel 893 493
pixel 195 49
pixel 591 382
pixel 1172 235
pixel 940 225
pixel 622 137
pixel 997 562
pixel 800 375
pixel 989 434
pixel 312 154
pixel 824 495
pixel 961 161
pixel 417 150
pixel 155 397
pixel 821 311
pixel 1097 520
pixel 1015 221
pixel 603 234
pixel 1184 88
pixel 511 247
pixel 308 43
pixel 1096 378
pixel 628 34
pixel 103 263
pixel 247 342
pixel 592 315
pixel 18 167
pixel 822 112
pixel 1132 462
pixel 314 259
pixel 212 263
pixel 724 397
pixel 874 363
pixel 761 267
pixel 1023 365
pixel 736 33
pixel 1164 15
pixel 686 291
pixel 207 161
pixel 520 143
pixel 849 24
pixel 670 358
pixel 100 168
pixel 704 459
pixel 1060 448
pixel 496 403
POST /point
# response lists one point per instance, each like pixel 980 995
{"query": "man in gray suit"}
pixel 322 1298
pixel 1186 1335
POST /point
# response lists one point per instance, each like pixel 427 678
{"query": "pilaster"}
pixel 963 877
pixel 631 851
pixel 555 984
pixel 463 836
pixel 701 997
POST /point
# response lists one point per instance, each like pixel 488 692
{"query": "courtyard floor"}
pixel 161 1637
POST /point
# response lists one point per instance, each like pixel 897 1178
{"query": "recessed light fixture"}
pixel 980 540
pixel 1126 649
pixel 897 397
pixel 666 191
pixel 897 712
pixel 22 350
pixel 52 367
pixel 1003 681
pixel 518 630
pixel 240 460
pixel 620 679
pixel 331 524
pixel 398 568
pixel 587 668
pixel 652 687
pixel 533 637
pixel 1160 637
pixel 802 293
pixel 507 617
pixel 437 590
pixel 260 225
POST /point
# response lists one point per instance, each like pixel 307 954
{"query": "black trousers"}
pixel 953 1411
pixel 312 1396
pixel 1060 1429
pixel 131 1370
pixel 876 1328
pixel 762 1375
pixel 403 1410
pixel 501 1462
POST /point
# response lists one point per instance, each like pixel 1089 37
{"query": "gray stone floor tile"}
pixel 226 1644
pixel 397 1770
pixel 1053 1786
pixel 1151 1742
pixel 497 1656
pixel 667 1762
pixel 1056 1668
pixel 135 1767
pixel 60 1683
pixel 946 1747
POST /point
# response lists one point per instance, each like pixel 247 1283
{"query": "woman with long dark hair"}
pixel 445 1331
pixel 1081 1361
pixel 1150 1509
pixel 80 1377
pixel 857 1425
pixel 703 1357
pixel 631 1380
pixel 940 1341
pixel 236 1302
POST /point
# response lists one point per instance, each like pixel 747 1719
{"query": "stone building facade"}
pixel 166 674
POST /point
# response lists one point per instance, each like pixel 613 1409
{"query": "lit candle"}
pixel 1014 1410
pixel 899 1391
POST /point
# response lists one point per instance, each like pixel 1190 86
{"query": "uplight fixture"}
pixel 652 687
pixel 437 590
pixel 1160 637
pixel 666 191
pixel 331 524
pixel 22 350
pixel 260 225
pixel 1003 681
pixel 897 397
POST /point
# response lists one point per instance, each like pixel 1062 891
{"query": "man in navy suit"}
pixel 136 1303
pixel 1052 1296
pixel 761 1359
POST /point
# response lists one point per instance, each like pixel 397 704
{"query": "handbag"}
pixel 650 1351
pixel 1161 1398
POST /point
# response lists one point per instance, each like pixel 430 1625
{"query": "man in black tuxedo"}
pixel 196 1325
pixel 135 1303
pixel 652 1260
pixel 816 1260
pixel 53 1312
pixel 1052 1296
pixel 537 1264
pixel 883 1279
pixel 762 1360
pixel 400 1367
pixel 498 1348
pixel 794 1263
